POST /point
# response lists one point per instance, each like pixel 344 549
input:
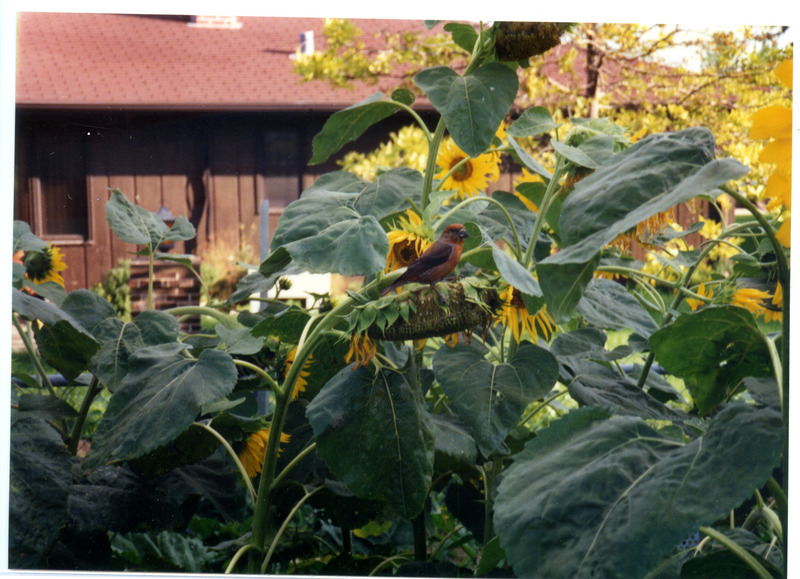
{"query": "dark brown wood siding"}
pixel 214 169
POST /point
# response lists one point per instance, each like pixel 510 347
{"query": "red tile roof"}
pixel 137 61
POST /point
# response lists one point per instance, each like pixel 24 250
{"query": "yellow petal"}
pixel 784 234
pixel 784 72
pixel 779 151
pixel 779 190
pixel 773 122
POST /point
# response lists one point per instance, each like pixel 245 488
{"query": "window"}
pixel 58 184
pixel 282 167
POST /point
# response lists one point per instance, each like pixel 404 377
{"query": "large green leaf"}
pixel 62 341
pixel 334 227
pixel 24 239
pixel 598 385
pixel 373 432
pixel 121 339
pixel 160 396
pixel 515 274
pixel 38 490
pixel 592 488
pixel 607 304
pixel 166 551
pixel 490 398
pixel 532 122
pixel 472 106
pixel 137 225
pixel 652 176
pixel 563 284
pixel 712 350
pixel 348 124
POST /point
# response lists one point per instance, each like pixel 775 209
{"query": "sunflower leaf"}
pixel 472 106
pixel 490 398
pixel 334 226
pixel 348 124
pixel 374 433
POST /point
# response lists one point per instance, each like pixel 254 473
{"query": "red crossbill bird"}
pixel 436 262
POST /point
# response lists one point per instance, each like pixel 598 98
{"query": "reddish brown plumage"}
pixel 437 261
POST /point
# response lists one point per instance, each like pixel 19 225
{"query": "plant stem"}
pixel 282 528
pixel 260 371
pixel 225 319
pixel 737 550
pixel 75 438
pixel 294 462
pixel 29 347
pixel 430 165
pixel 150 275
pixel 549 195
pixel 237 462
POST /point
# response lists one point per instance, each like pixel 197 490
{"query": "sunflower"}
pixel 362 350
pixel 775 122
pixel 750 299
pixel 408 242
pixel 776 311
pixel 514 315
pixel 470 177
pixel 252 457
pixel 645 230
pixel 44 265
pixel 302 379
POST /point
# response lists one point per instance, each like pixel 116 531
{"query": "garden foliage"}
pixel 534 446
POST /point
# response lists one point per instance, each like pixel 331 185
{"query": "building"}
pixel 202 115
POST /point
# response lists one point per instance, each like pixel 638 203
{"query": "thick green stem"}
pixel 430 165
pixel 91 392
pixel 550 193
pixel 294 462
pixel 785 280
pixel 261 517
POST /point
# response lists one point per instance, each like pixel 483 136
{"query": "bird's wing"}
pixel 437 254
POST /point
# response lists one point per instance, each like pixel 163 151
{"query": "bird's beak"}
pixel 463 234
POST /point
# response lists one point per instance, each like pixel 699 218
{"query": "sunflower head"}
pixel 252 457
pixel 408 241
pixel 44 265
pixel 515 316
pixel 466 175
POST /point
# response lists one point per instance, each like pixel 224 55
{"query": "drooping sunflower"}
pixel 407 242
pixel 302 378
pixel 751 299
pixel 44 265
pixel 775 122
pixel 514 315
pixel 252 457
pixel 470 177
pixel 645 230
pixel 775 313
pixel 362 350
